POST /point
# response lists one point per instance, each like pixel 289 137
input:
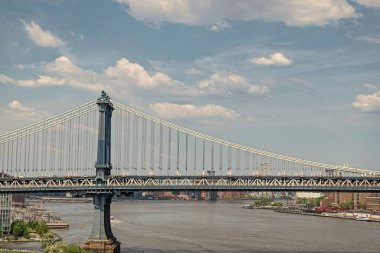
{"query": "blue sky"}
pixel 294 77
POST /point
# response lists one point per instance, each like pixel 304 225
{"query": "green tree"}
pixel 318 201
pixel 18 229
pixel 71 248
pixel 263 201
pixel 41 228
pixel 59 247
pixel 347 204
pixel 47 240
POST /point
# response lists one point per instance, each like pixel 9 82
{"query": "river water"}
pixel 202 226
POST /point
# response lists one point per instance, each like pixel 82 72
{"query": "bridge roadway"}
pixel 120 184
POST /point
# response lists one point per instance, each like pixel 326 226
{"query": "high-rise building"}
pixel 5 213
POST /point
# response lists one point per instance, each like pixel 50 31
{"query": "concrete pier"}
pixel 198 195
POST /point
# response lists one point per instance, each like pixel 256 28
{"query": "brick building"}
pixel 335 199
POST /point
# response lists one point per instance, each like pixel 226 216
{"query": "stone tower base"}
pixel 102 246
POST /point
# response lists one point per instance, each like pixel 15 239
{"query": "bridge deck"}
pixel 117 184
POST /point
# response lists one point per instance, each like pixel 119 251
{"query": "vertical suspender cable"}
pixel 246 162
pixel 2 159
pixel 203 156
pixel 122 141
pixel 12 152
pixel 16 160
pixel 177 152
pixel 70 141
pixel 43 151
pixel 8 155
pixel 195 153
pixel 229 159
pixel 152 137
pixel 187 137
pixel 212 155
pixel 119 135
pixel 37 149
pixel 169 148
pixel 128 139
pixel 220 157
pixel 161 147
pixel 117 142
pixel 134 143
pixel 78 141
pixel 143 146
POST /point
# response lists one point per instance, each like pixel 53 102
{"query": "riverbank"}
pixel 64 200
pixel 17 251
pixel 37 212
pixel 350 215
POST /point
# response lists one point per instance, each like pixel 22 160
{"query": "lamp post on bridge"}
pixel 101 239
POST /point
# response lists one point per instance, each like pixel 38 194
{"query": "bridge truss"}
pixel 124 184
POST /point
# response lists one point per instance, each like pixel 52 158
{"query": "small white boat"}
pixel 363 219
pixel 247 206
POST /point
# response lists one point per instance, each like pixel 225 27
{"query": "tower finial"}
pixel 104 99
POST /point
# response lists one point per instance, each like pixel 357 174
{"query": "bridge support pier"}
pixel 102 239
pixel 212 195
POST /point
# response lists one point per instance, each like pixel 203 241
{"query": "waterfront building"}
pixel 232 195
pixel 5 213
pixel 308 195
pixel 335 199
pixel 373 203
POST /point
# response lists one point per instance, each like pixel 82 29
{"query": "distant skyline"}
pixel 294 77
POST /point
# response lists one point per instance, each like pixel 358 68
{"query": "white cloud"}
pixel 226 84
pixel 119 79
pixel 134 72
pixel 6 79
pixel 193 71
pixel 367 103
pixel 369 3
pixel 125 78
pixel 17 106
pixel 215 14
pixel 41 37
pixel 220 26
pixel 371 86
pixel 274 59
pixel 369 39
pixel 40 81
pixel 176 111
pixel 258 90
pixel 16 115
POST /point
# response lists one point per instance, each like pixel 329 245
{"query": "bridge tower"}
pixel 101 239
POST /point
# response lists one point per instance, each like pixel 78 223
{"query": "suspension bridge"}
pixel 71 152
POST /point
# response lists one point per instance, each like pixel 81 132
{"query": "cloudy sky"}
pixel 294 77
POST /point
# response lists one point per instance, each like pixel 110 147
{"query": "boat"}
pixel 247 206
pixel 363 219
